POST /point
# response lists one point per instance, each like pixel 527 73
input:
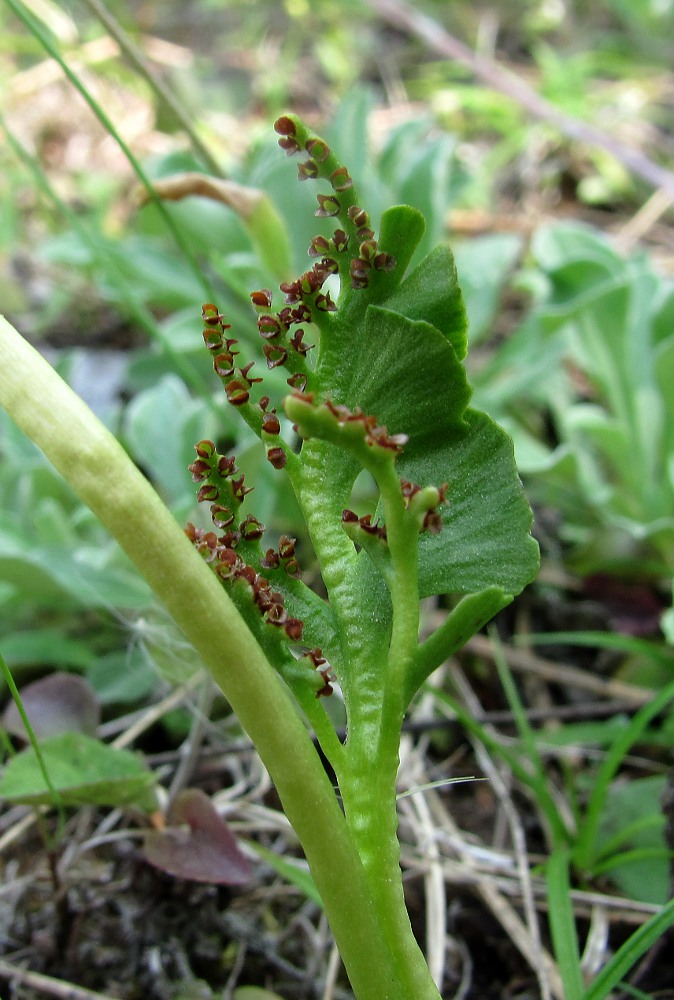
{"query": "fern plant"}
pixel 373 360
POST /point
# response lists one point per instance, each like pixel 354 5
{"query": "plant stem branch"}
pixel 470 614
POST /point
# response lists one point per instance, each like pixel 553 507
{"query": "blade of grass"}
pixel 140 313
pixel 291 872
pixel 629 857
pixel 632 991
pixel 603 640
pixel 561 916
pixel 515 704
pixel 528 738
pixel 630 952
pixel 585 850
pixel 34 742
pixel 531 779
pixel 137 59
pixel 628 833
pixel 36 30
pixel 563 924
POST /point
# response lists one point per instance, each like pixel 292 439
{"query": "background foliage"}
pixel 564 257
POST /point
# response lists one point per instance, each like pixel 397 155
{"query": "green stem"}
pixel 403 540
pixel 378 842
pixel 471 613
pixel 375 803
pixel 375 667
pixel 101 473
pixel 367 775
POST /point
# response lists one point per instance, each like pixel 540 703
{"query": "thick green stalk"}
pixel 377 835
pixel 99 470
pixel 375 663
pixel 378 843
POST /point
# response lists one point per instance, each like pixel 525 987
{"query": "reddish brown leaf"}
pixel 198 844
pixel 59 703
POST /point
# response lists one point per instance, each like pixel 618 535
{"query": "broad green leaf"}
pixel 420 169
pixel 294 202
pixel 147 269
pixel 411 381
pixel 83 771
pixel 531 453
pixel 431 293
pixel 557 246
pixel 48 646
pixel 56 575
pixel 624 812
pixel 663 314
pixel 427 184
pixel 402 227
pixel 124 677
pixel 485 541
pixel 350 130
pixel 664 373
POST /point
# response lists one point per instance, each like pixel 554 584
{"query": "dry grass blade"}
pixel 548 976
pixel 46 984
pixel 241 199
pixel 596 946
pixel 430 825
pixel 421 821
pixel 643 220
pixel 148 718
pixel 471 869
pixel 438 40
pixel 524 661
pixel 334 963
